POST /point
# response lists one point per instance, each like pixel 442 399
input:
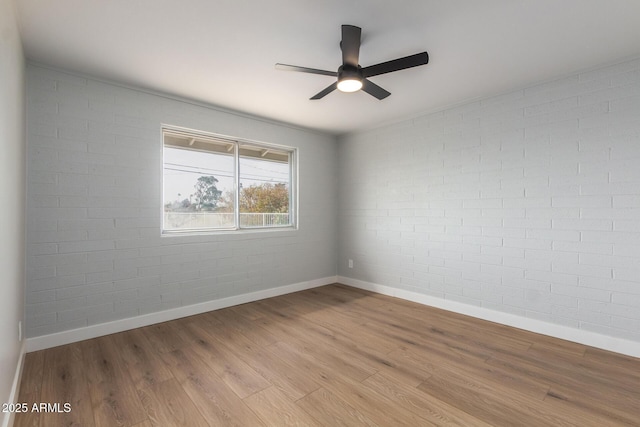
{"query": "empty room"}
pixel 320 213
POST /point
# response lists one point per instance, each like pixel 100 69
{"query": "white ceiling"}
pixel 223 52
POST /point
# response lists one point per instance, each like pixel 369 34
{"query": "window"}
pixel 214 183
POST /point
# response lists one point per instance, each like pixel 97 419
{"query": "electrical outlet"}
pixel 20 330
pixel 350 263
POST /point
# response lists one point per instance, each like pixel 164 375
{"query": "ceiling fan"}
pixel 351 77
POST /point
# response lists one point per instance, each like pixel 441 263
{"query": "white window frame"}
pixel 239 145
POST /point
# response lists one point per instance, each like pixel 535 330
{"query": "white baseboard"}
pixel 593 339
pixel 94 331
pixel 9 417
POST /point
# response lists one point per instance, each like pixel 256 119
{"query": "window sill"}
pixel 229 232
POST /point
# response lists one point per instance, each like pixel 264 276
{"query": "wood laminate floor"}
pixel 331 356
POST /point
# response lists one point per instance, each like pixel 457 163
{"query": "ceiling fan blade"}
pixel 396 64
pixel 374 90
pixel 350 45
pixel 285 67
pixel 325 91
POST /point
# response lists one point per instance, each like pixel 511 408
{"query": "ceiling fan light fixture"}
pixel 350 84
pixel 349 78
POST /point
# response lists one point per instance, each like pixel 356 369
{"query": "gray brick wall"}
pixel 526 203
pixel 94 249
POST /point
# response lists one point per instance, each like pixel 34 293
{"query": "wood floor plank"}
pixel 496 406
pixel 621 361
pixel 344 297
pixel 314 300
pixel 331 378
pixel 332 355
pixel 597 408
pixel 309 331
pixel 350 391
pixel 607 393
pixel 353 329
pixel 330 410
pixel 249 311
pixel 243 379
pixel 422 404
pixel 430 363
pixel 292 380
pixel 365 355
pixel 485 337
pixel 377 406
pixel 276 409
pixel 165 337
pixel 566 380
pixel 579 367
pixel 167 404
pixel 113 395
pixel 340 364
pixel 32 374
pixel 560 346
pixel 213 398
pixel 30 389
pixel 140 359
pixel 64 381
pixel 240 325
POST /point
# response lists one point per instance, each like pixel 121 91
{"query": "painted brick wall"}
pixel 526 203
pixel 94 250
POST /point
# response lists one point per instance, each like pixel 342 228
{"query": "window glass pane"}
pixel 217 183
pixel 265 188
pixel 198 189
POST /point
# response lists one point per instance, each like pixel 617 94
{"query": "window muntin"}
pixel 212 183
